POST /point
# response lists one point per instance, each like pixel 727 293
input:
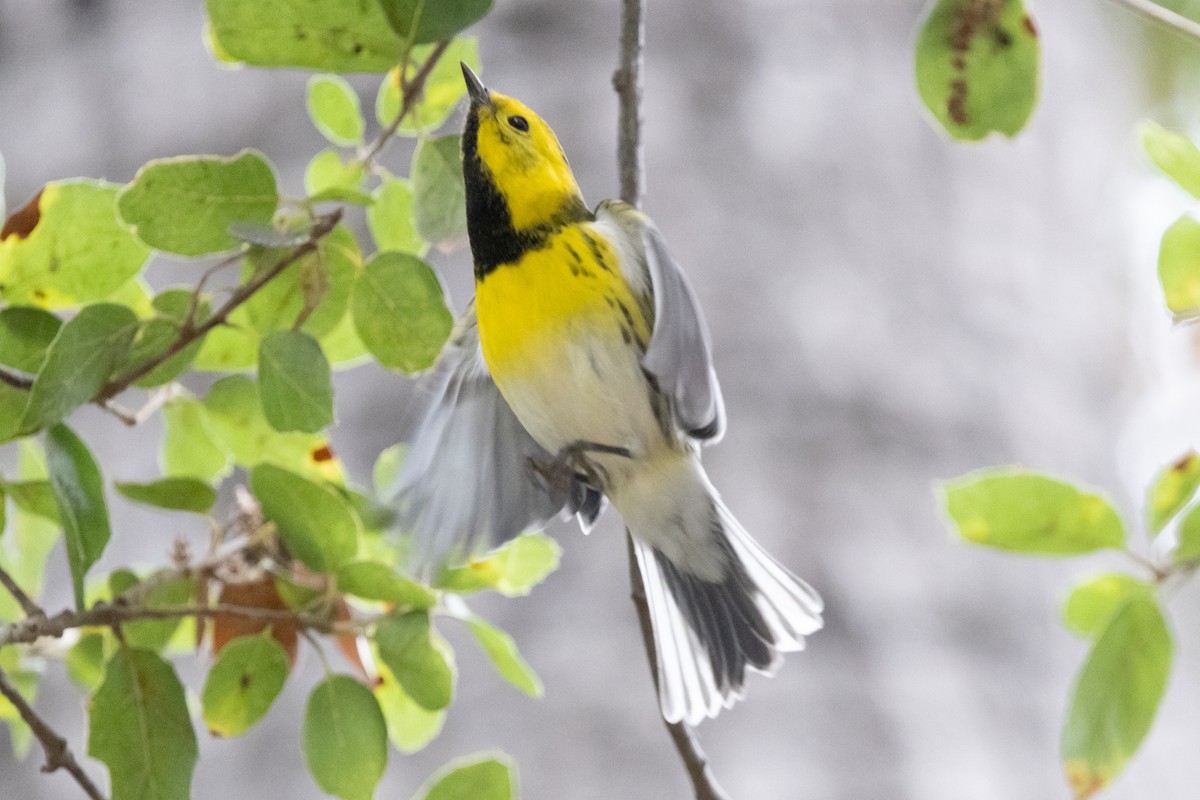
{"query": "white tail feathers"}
pixel 710 633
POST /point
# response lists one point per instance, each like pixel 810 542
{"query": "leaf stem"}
pixel 58 754
pixel 1165 16
pixel 410 91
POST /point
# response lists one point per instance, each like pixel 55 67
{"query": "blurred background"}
pixel 887 307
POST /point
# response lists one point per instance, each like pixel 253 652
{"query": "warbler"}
pixel 583 372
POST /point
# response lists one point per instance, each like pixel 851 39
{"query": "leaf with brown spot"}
pixel 977 65
pixel 22 221
pixel 254 594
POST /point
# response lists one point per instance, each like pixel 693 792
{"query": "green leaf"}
pixel 317 285
pixel 345 738
pixel 400 311
pixel 1012 509
pixel 1173 487
pixel 1179 267
pixel 33 497
pixel 477 777
pixel 1188 547
pixel 1174 153
pixel 333 37
pixel 328 176
pixel 139 727
pixel 246 678
pixel 387 468
pixel 977 66
pixel 26 547
pixel 334 109
pixel 294 382
pixel 1092 603
pixel 78 363
pixel 190 447
pixel 374 581
pixel 85 661
pixel 185 205
pixel 512 569
pixel 25 335
pixel 3 207
pixel 410 727
pixel 417 657
pixel 444 86
pixel 77 252
pixel 79 488
pixel 314 522
pixel 425 21
pixel 1116 695
pixel 439 196
pixel 391 218
pixel 235 413
pixel 175 494
pixel 502 650
pixel 166 592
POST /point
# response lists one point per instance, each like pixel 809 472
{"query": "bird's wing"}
pixel 679 354
pixel 469 482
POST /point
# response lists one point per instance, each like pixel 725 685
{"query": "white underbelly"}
pixel 589 390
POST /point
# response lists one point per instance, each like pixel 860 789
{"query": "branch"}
pixel 30 608
pixel 190 332
pixel 112 615
pixel 1165 16
pixel 627 81
pixel 410 92
pixel 58 755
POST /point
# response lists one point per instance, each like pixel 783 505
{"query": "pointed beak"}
pixel 475 88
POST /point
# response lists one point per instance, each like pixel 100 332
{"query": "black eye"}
pixel 520 123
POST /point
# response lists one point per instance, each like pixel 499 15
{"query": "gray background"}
pixel 888 308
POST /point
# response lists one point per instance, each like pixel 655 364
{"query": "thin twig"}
pixel 627 81
pixel 30 608
pixel 1173 20
pixel 189 333
pixel 704 783
pixel 410 92
pixel 58 755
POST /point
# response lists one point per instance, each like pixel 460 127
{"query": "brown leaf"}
pixel 255 594
pixel 348 643
pixel 21 222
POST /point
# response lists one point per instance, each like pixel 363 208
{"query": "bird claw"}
pixel 571 463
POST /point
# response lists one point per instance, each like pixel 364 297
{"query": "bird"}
pixel 582 375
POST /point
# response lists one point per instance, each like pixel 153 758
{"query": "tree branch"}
pixel 627 81
pixel 190 332
pixel 58 755
pixel 1165 16
pixel 30 608
pixel 112 615
pixel 410 92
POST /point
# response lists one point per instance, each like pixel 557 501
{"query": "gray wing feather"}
pixel 679 354
pixel 467 482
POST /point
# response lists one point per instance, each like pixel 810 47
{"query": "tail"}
pixel 719 604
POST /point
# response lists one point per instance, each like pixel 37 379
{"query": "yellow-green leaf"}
pixel 334 108
pixel 1179 267
pixel 484 776
pixel 79 488
pixel 1012 509
pixel 345 738
pixel 294 382
pixel 1116 695
pixel 244 681
pixel 977 66
pixel 417 657
pixel 1092 603
pixel 400 313
pixel 1173 487
pixel 1174 153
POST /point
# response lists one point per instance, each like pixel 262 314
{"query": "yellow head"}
pixel 519 185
